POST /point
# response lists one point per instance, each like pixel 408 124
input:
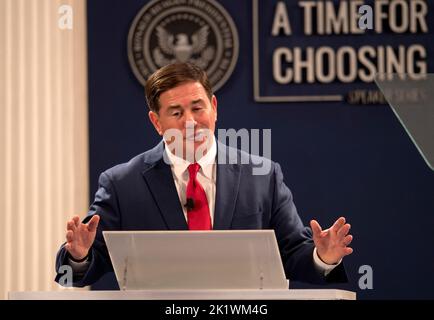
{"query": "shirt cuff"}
pixel 321 266
pixel 79 267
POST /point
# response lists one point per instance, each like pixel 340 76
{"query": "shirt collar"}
pixel 206 162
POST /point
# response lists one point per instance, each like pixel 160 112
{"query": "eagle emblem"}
pixel 201 32
pixel 180 47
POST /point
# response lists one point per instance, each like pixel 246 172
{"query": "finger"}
pixel 343 231
pixel 93 223
pixel 69 236
pixel 338 224
pixel 348 251
pixel 316 228
pixel 347 240
pixel 70 225
pixel 76 220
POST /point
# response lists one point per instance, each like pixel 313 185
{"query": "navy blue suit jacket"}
pixel 141 195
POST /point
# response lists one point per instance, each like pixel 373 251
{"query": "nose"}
pixel 190 121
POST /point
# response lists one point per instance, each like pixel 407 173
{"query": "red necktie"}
pixel 198 215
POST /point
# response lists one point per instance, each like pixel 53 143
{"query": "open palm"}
pixel 332 244
pixel 80 236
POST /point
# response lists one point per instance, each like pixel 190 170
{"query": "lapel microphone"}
pixel 189 204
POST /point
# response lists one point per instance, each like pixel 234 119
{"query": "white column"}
pixel 43 137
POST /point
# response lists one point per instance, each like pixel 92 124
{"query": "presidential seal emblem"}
pixel 196 31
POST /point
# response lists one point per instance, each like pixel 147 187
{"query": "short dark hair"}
pixel 171 76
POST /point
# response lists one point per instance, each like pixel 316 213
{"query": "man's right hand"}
pixel 80 236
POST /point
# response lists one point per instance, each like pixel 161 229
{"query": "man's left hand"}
pixel 332 244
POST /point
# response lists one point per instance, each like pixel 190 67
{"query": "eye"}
pixel 176 114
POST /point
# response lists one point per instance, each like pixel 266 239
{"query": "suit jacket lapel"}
pixel 159 179
pixel 228 181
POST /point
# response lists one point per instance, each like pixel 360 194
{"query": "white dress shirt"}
pixel 206 176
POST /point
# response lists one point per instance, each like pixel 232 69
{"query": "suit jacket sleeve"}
pixel 106 205
pixel 294 240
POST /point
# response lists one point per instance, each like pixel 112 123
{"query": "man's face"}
pixel 186 106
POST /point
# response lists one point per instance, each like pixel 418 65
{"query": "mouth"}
pixel 197 136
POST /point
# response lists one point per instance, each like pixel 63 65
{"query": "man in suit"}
pixel 189 181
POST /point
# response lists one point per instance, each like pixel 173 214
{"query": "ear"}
pixel 155 119
pixel 214 105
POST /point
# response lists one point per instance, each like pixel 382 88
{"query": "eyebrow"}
pixel 177 106
pixel 173 107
